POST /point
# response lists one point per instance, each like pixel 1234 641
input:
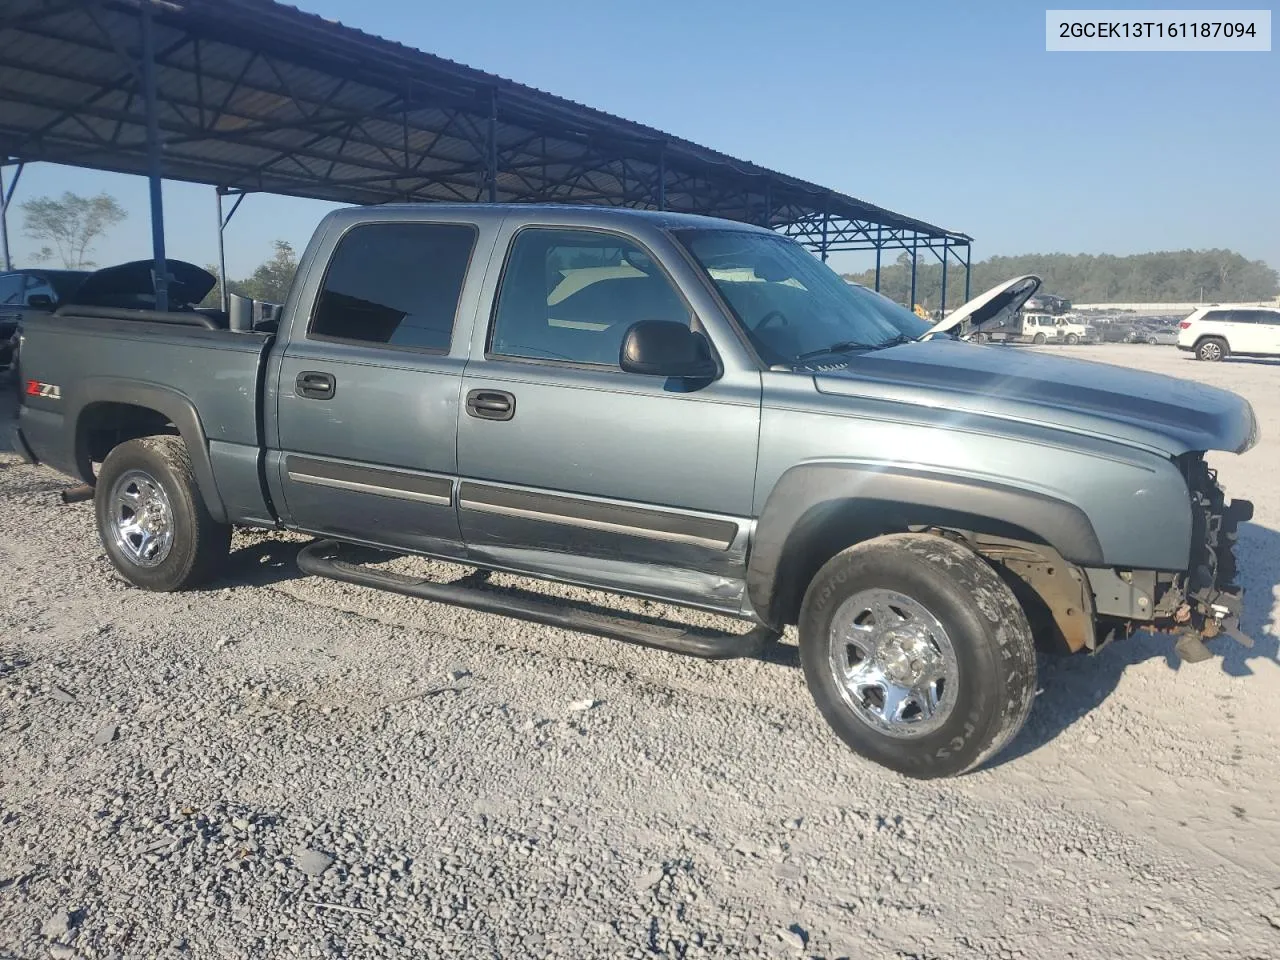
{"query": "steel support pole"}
pixel 491 163
pixel 6 195
pixel 825 218
pixel 222 248
pixel 879 232
pixel 662 177
pixel 222 255
pixel 968 250
pixel 160 272
pixel 946 255
pixel 915 239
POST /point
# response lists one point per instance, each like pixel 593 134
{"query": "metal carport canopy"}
pixel 252 95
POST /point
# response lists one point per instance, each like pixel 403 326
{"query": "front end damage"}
pixel 1199 604
pixel 1206 601
pixel 1075 608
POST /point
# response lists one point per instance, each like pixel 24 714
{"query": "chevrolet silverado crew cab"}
pixel 673 407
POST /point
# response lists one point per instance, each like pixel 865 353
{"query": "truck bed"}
pixel 72 364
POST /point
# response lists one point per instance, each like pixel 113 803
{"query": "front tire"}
pixel 917 654
pixel 1212 349
pixel 152 519
pixel 1072 339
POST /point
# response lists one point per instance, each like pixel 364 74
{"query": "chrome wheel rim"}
pixel 893 663
pixel 1211 351
pixel 141 519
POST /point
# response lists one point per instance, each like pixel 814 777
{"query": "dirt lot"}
pixel 281 766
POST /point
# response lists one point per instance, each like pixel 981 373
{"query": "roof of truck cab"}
pixel 555 213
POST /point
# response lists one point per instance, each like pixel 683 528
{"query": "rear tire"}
pixel 1212 349
pixel 1039 338
pixel 922 622
pixel 152 519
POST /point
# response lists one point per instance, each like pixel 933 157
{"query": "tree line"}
pixel 1174 276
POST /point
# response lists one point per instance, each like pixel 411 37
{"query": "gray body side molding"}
pixel 817 504
pixel 177 408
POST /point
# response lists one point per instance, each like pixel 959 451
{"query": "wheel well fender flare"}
pixel 817 509
pixel 169 403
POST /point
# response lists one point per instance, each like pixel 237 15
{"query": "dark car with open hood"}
pixel 30 291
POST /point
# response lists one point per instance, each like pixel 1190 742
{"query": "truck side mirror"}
pixel 664 348
pixel 41 300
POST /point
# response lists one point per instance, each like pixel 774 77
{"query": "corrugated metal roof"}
pixel 257 95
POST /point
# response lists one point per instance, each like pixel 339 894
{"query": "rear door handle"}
pixel 315 385
pixel 491 405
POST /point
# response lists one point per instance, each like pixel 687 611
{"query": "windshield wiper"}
pixel 843 346
pixel 894 342
pixel 849 346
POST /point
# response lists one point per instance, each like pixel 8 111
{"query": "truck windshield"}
pixel 791 304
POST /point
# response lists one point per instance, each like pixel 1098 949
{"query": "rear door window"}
pixel 395 285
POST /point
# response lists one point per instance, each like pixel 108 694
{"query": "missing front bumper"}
pixel 1196 606
pixel 1209 603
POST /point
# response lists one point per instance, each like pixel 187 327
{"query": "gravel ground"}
pixel 282 766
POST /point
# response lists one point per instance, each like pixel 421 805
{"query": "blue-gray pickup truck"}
pixel 667 406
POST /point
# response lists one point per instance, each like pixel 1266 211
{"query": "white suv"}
pixel 1217 332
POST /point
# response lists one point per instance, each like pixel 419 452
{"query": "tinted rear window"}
pixel 396 284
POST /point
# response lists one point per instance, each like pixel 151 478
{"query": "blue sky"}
pixel 950 112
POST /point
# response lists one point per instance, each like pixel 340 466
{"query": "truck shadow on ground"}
pixel 1069 688
pixel 273 561
pixel 260 564
pixel 1072 686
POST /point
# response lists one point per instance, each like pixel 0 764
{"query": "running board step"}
pixel 323 559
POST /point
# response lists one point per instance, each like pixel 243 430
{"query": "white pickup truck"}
pixel 1040 328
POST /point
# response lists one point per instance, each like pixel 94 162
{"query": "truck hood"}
pixel 1161 413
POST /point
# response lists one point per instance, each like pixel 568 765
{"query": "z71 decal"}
pixel 37 389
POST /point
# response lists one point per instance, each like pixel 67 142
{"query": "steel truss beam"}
pixel 282 113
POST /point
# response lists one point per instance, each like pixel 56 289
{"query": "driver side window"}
pixel 571 295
